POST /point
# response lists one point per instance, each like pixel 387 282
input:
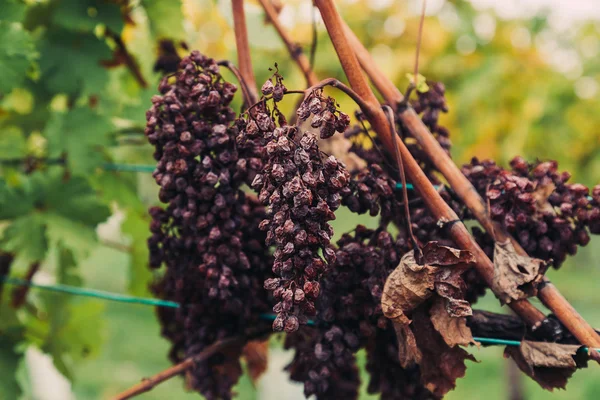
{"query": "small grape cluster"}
pixel 207 236
pixel 325 113
pixel 302 190
pixel 548 216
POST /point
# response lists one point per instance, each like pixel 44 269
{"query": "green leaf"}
pixel 74 236
pixel 15 201
pixel 26 236
pixel 75 327
pixel 84 15
pixel 10 359
pixel 76 334
pixel 12 10
pixel 81 134
pixel 70 62
pixel 137 226
pixel 165 17
pixel 17 53
pixel 12 143
pixel 421 85
pixel 74 199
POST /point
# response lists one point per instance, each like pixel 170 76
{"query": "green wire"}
pixel 99 294
pixel 129 167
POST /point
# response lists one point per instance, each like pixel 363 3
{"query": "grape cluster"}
pixel 302 189
pixel 350 317
pixel 548 216
pixel 207 236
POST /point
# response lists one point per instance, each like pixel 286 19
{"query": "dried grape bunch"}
pixel 548 216
pixel 301 187
pixel 207 236
pixel 349 317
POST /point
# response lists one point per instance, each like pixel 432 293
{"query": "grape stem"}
pixel 148 384
pixel 295 51
pixel 438 207
pixel 246 92
pixel 243 49
pixel 127 57
pixel 547 293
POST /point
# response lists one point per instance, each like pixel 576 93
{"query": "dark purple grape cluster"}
pixel 207 236
pixel 349 317
pixel 302 190
pixel 548 216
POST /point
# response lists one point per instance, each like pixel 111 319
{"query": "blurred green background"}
pixel 520 82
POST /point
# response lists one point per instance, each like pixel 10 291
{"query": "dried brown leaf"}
pixel 408 351
pixel 454 330
pixel 409 285
pixel 438 255
pixel 549 364
pixel 515 276
pixel 256 353
pixel 441 365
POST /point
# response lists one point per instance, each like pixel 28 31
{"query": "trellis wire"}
pixel 123 298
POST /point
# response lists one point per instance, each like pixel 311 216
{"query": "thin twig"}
pixel 128 58
pixel 19 295
pixel 315 37
pixel 243 48
pixel 415 243
pixel 148 384
pixel 248 97
pixel 338 85
pixel 419 36
pixel 294 50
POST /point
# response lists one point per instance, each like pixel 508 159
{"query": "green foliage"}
pixel 17 53
pixel 79 134
pixel 137 226
pixel 82 72
pixel 166 18
pixel 84 15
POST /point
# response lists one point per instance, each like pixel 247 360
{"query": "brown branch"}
pixel 547 293
pixel 419 37
pixel 294 50
pixel 431 197
pixel 19 295
pixel 6 260
pixel 127 58
pixel 415 243
pixel 243 48
pixel 148 384
pixel 248 97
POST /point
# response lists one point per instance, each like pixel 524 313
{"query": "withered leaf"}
pixel 515 276
pixel 411 283
pixel 436 254
pixel 549 364
pixel 441 365
pixel 256 353
pixel 406 287
pixel 454 330
pixel 408 351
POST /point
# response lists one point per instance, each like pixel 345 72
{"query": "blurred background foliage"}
pixel 520 84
